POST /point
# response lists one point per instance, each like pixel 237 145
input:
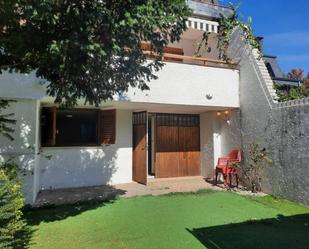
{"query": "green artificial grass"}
pixel 206 219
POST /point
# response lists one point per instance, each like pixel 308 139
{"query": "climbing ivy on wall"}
pixel 226 27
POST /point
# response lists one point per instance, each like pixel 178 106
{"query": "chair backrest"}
pixel 235 155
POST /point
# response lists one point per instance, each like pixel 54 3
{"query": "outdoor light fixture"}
pixel 209 96
pixel 224 115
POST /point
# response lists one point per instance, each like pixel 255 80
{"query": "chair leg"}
pixel 225 179
pixel 237 182
pixel 216 179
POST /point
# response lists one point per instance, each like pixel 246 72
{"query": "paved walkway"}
pixel 165 185
pixel 101 193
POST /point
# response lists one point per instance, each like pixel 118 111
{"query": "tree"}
pixel 305 85
pixel 13 229
pixel 296 74
pixel 88 49
pixel 286 93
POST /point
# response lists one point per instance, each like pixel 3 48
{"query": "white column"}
pixel 36 170
pixel 217 141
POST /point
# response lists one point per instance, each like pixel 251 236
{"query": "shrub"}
pixel 12 225
pixel 286 93
pixel 252 171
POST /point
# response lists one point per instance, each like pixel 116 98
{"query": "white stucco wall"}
pixel 177 83
pixel 219 135
pixel 207 144
pixel 22 147
pixel 90 166
pixel 189 84
pixel 230 131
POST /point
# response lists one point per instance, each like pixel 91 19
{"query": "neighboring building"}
pixel 277 74
pixel 274 70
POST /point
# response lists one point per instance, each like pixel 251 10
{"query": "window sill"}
pixel 75 147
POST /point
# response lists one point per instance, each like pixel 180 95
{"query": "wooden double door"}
pixel 140 154
pixel 176 146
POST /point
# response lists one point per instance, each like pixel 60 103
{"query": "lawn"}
pixel 206 219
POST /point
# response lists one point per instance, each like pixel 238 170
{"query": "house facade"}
pixel 188 118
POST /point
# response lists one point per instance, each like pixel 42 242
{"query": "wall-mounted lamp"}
pixel 225 115
pixel 209 96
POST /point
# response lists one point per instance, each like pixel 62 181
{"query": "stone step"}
pixel 264 72
pixel 261 63
pixel 268 83
pixel 267 77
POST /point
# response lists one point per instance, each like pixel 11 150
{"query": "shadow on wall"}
pixel 21 149
pixel 79 167
pixel 71 167
pixel 277 233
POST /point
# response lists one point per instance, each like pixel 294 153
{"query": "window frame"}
pixel 54 144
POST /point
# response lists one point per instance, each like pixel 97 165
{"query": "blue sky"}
pixel 284 25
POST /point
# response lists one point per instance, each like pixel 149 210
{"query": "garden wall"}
pixel 282 128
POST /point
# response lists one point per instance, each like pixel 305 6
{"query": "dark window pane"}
pixel 46 126
pixel 76 127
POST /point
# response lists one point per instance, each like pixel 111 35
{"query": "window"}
pixel 184 120
pixel 77 127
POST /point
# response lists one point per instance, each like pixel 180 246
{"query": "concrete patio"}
pixel 159 186
pixel 106 192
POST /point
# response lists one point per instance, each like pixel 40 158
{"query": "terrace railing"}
pixel 194 60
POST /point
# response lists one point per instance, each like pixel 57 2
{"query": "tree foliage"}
pixel 88 49
pixel 14 232
pixel 226 26
pixel 296 74
pixel 286 93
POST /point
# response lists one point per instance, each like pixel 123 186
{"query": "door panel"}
pixel 193 151
pixel 178 145
pixel 167 151
pixel 182 153
pixel 140 147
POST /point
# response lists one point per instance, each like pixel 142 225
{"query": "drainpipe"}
pixel 37 156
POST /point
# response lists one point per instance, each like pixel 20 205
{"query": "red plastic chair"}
pixel 226 166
